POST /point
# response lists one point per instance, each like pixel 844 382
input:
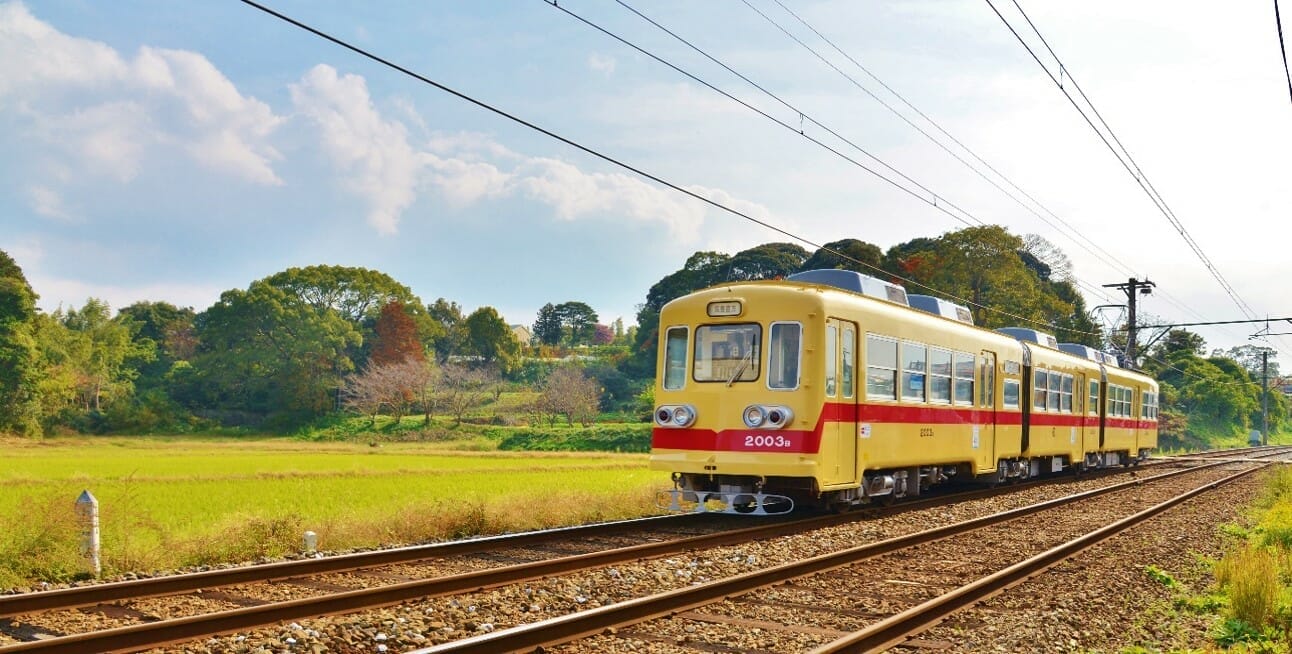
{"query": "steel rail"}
pixel 64 598
pixel 154 634
pixel 571 627
pixel 897 629
pixel 67 598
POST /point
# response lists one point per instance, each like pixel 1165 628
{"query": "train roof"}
pixel 940 307
pixel 1031 336
pixel 855 282
pixel 1087 352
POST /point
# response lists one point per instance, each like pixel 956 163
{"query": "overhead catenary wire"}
pixel 800 113
pixel 1070 232
pixel 1278 23
pixel 1123 155
pixel 616 162
pixel 1108 259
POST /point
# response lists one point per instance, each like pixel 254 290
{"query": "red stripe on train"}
pixel 798 441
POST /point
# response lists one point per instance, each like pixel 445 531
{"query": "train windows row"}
pixel 922 373
pixel 1148 410
pixel 1051 391
pixel 1119 401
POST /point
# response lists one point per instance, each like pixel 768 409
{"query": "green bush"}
pixel 630 437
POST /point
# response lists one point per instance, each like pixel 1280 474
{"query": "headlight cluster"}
pixel 675 415
pixel 767 417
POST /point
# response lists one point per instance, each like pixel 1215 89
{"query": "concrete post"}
pixel 87 516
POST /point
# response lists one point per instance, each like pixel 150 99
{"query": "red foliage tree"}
pixel 396 340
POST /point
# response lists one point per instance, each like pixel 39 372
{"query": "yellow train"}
pixel 831 388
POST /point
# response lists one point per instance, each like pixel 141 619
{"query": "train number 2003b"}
pixel 768 440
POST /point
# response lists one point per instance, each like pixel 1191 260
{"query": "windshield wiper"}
pixel 740 369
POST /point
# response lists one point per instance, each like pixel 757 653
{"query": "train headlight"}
pixel 683 416
pixel 767 417
pixel 675 415
pixel 779 416
pixel 664 415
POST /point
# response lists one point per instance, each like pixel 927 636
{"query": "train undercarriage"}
pixel 752 495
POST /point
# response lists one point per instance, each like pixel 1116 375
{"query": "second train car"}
pixel 831 388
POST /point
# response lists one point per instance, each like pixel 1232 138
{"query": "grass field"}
pixel 175 502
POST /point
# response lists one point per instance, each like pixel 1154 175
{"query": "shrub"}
pixel 599 438
pixel 1251 577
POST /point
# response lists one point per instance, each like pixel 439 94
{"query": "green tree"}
pixel 981 267
pixel 93 356
pixel 271 353
pixel 21 372
pixel 578 322
pixel 490 338
pixel 547 327
pixel 170 331
pixel 767 261
pixel 451 336
pixel 852 251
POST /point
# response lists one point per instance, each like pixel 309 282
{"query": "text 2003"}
pixel 768 440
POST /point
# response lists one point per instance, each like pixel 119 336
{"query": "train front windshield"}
pixel 727 353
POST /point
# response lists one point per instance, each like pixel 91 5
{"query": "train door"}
pixel 839 435
pixel 984 429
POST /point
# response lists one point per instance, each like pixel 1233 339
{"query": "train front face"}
pixel 735 421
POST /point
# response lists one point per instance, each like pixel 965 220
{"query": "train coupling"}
pixel 737 503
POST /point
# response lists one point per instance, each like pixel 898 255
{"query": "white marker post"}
pixel 87 514
pixel 310 542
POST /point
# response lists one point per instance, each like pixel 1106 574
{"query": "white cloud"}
pixel 47 202
pixel 574 194
pixel 601 63
pixel 464 182
pixel 384 166
pixel 85 99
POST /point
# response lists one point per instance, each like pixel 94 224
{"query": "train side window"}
pixel 831 362
pixel 987 395
pixel 849 346
pixel 1010 394
pixel 1040 388
pixel 881 368
pixel 1065 403
pixel 1093 406
pixel 963 382
pixel 1056 385
pixel 915 366
pixel 939 376
pixel 675 358
pixel 783 356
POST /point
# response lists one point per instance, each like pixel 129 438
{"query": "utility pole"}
pixel 1132 288
pixel 1265 396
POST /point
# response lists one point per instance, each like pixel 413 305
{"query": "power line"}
pixel 1110 259
pixel 609 159
pixel 1279 24
pixel 1106 256
pixel 1123 156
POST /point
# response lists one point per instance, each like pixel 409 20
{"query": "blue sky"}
pixel 171 151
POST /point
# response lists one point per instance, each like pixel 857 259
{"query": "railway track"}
pixel 669 536
pixel 793 600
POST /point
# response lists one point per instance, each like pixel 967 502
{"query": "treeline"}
pixel 312 342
